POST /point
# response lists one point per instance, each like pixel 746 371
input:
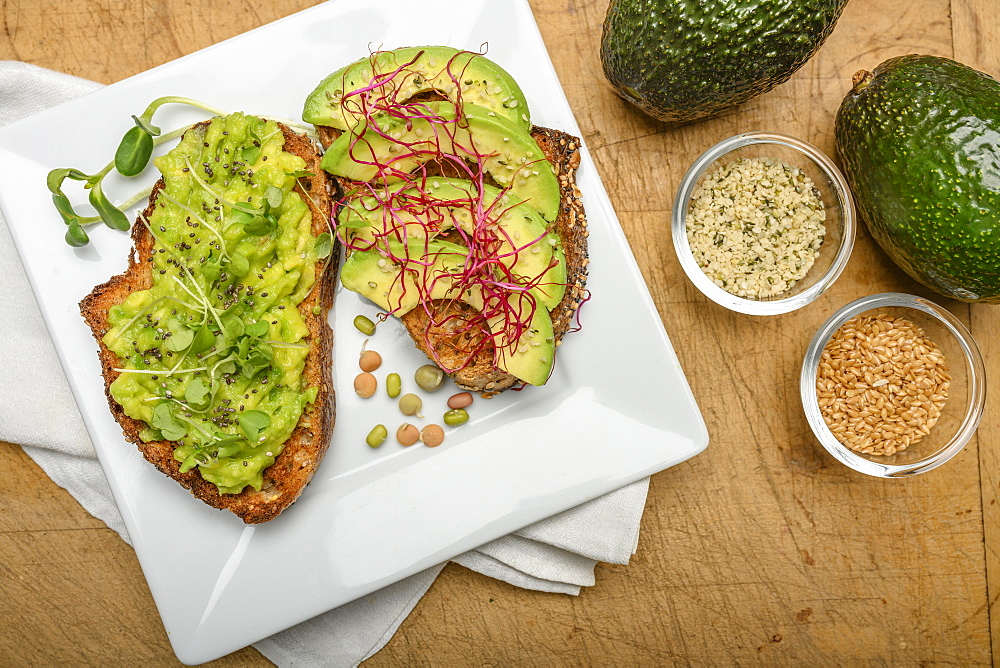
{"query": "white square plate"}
pixel 370 517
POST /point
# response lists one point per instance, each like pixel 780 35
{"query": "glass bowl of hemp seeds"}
pixel 763 223
pixel 893 385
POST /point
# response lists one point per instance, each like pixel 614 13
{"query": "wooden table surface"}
pixel 762 549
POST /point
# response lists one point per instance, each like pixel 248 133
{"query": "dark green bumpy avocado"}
pixel 683 60
pixel 919 139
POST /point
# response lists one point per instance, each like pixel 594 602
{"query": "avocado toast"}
pixel 213 343
pixel 460 217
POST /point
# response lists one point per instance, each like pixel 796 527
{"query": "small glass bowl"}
pixel 833 190
pixel 966 393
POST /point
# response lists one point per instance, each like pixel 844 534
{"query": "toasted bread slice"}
pixel 297 462
pixel 477 371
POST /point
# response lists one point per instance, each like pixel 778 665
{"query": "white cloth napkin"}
pixel 555 555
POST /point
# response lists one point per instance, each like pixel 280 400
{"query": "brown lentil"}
pixel 882 384
pixel 432 435
pixel 365 385
pixel 370 360
pixel 407 434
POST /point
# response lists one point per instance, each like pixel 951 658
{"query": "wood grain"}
pixel 764 549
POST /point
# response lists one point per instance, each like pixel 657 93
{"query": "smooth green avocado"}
pixel 507 152
pixel 919 139
pixel 212 354
pixel 683 60
pixel 443 70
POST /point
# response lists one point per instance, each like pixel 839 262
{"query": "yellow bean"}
pixel 376 436
pixel 393 385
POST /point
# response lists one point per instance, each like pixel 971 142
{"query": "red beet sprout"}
pixel 412 216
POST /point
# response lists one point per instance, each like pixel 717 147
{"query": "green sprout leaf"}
pixel 257 329
pixel 253 422
pixel 134 151
pixel 180 340
pixel 273 195
pixel 250 154
pixel 258 226
pixel 64 208
pixel 145 123
pixel 76 236
pixel 238 264
pixel 169 426
pixel 203 340
pixel 56 177
pixel 324 245
pixel 110 214
pixel 197 393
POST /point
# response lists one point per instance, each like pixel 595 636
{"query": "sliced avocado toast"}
pixel 214 343
pixel 460 217
pixel 919 139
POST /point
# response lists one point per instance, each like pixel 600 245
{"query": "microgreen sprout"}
pixel 426 139
pixel 131 157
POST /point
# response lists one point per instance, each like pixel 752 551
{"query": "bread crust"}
pixel 478 373
pixel 296 464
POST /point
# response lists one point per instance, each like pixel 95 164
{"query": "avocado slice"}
pixel 531 357
pixel 509 153
pixel 683 60
pixel 918 140
pixel 453 201
pixel 369 273
pixel 440 69
pixel 378 278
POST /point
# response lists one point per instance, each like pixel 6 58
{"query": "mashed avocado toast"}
pixel 214 342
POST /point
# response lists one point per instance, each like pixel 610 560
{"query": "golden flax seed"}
pixel 882 384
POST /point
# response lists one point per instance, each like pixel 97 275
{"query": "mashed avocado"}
pixel 212 355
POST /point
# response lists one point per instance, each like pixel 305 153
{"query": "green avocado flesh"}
pixel 519 237
pixel 443 70
pixel 396 289
pixel 919 139
pixel 683 60
pixel 507 152
pixel 212 355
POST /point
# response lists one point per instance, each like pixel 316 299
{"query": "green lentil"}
pixel 376 436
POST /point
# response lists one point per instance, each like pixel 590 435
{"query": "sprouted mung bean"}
pixel 755 226
pixel 882 384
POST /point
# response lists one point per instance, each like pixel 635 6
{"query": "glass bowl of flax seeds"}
pixel 893 385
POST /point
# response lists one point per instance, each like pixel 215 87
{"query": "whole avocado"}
pixel 684 60
pixel 919 139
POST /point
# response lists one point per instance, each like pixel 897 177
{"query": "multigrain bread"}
pixel 295 465
pixel 479 373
